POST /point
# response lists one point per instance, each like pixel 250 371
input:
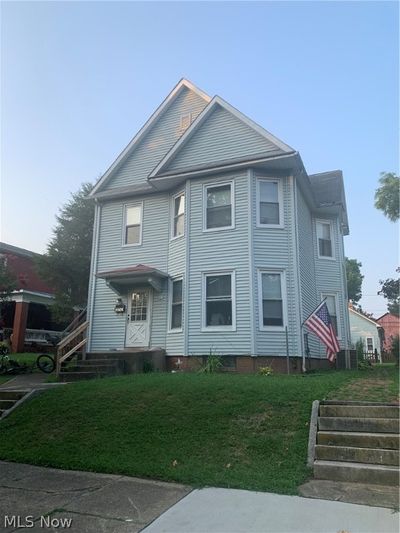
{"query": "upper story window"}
pixel 178 222
pixel 269 203
pixel 271 299
pixel 133 225
pixel 218 202
pixel 219 308
pixel 332 305
pixel 324 236
pixel 176 304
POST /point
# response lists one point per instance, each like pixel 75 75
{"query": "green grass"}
pixel 223 430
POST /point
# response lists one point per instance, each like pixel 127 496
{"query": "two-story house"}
pixel 210 236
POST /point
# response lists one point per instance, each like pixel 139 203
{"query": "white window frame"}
pixel 205 275
pixel 282 273
pixel 366 343
pixel 125 208
pixel 174 197
pixel 280 201
pixel 338 317
pixel 330 222
pixel 170 289
pixel 213 185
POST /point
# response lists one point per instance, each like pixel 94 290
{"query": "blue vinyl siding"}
pixel 221 137
pixel 157 142
pixel 219 250
pixel 274 249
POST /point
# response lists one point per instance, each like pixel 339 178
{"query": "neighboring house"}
pixel 28 305
pixel 212 234
pixel 368 330
pixel 391 326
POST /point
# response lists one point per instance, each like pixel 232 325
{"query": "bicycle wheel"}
pixel 45 363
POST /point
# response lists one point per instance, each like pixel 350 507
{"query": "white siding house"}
pixel 366 329
pixel 212 234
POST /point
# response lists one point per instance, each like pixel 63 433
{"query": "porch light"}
pixel 119 307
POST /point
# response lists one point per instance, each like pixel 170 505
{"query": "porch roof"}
pixel 119 280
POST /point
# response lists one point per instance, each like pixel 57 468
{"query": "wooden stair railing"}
pixel 70 345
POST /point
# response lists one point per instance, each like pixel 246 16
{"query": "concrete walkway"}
pixel 29 381
pixel 100 503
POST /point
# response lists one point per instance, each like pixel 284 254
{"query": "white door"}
pixel 138 319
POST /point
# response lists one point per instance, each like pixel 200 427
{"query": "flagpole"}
pixel 301 333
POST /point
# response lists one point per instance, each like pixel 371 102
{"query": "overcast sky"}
pixel 79 79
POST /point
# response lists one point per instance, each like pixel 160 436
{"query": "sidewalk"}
pixel 34 380
pixel 101 503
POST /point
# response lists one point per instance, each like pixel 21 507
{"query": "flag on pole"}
pixel 320 323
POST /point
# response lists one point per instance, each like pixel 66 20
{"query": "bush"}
pixel 265 370
pixel 212 364
pixel 360 350
pixel 395 348
pixel 364 364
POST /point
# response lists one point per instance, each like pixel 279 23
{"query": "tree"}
pixel 354 279
pixel 8 282
pixel 66 264
pixel 387 195
pixel 390 290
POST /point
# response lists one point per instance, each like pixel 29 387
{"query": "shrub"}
pixel 265 370
pixel 212 364
pixel 360 350
pixel 364 364
pixel 148 366
pixel 395 348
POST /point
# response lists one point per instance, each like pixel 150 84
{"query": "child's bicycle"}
pixel 44 362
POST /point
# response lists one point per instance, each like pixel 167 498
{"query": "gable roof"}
pixel 182 84
pixel 265 144
pixel 365 317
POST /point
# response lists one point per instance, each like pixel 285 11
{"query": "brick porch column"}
pixel 19 326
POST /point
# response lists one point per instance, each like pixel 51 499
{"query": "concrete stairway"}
pixel 358 442
pixel 91 368
pixel 8 399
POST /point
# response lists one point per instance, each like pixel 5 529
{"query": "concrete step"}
pixel 388 441
pixel 357 455
pixel 6 404
pixel 103 369
pixel 77 376
pixel 12 394
pixel 356 472
pixel 103 361
pixel 360 411
pixel 371 425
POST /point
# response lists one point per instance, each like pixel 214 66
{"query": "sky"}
pixel 78 79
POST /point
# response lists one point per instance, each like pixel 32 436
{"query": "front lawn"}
pixel 221 430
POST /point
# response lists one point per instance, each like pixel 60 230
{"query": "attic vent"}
pixel 186 120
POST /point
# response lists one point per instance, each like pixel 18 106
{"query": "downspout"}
pixel 253 342
pixel 187 271
pixel 297 271
pixel 93 271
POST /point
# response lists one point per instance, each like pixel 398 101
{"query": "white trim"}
pixel 93 271
pixel 253 336
pixel 366 343
pixel 332 235
pixel 172 216
pixel 125 208
pixel 171 281
pixel 335 295
pixel 366 318
pixel 281 224
pixel 204 275
pixel 148 124
pixel 200 119
pixel 296 264
pixel 282 273
pixel 187 270
pixel 216 184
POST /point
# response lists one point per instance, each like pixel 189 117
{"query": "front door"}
pixel 138 319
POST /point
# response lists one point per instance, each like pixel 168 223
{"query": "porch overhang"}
pixel 121 280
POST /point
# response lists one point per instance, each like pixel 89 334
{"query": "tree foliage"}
pixel 8 282
pixel 66 264
pixel 387 195
pixel 390 289
pixel 354 279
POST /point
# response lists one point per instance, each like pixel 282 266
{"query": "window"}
pixel 176 304
pixel 324 236
pixel 370 344
pixel 331 303
pixel 178 222
pixel 133 225
pixel 219 206
pixel 269 203
pixel 219 301
pixel 271 294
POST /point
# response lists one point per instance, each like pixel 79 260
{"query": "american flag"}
pixel 321 324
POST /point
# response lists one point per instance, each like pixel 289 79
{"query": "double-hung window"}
pixel 176 304
pixel 324 236
pixel 219 301
pixel 178 221
pixel 271 299
pixel 133 224
pixel 369 344
pixel 218 201
pixel 331 304
pixel 269 203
